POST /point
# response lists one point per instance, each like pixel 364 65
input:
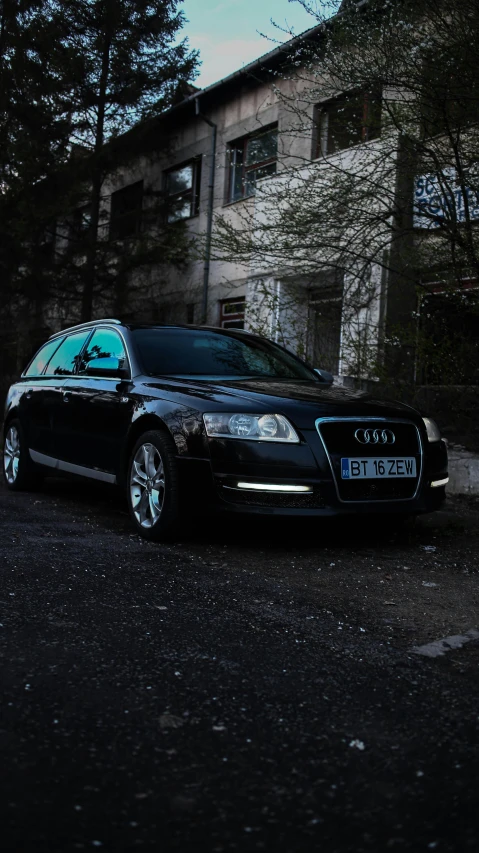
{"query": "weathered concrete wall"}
pixel 463 472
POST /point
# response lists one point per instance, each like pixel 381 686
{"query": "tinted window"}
pixel 105 344
pixel 65 360
pixel 42 358
pixel 193 352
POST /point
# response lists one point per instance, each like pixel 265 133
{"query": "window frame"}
pixel 241 144
pixel 127 365
pixel 114 233
pixel 232 317
pixel 321 123
pixel 194 192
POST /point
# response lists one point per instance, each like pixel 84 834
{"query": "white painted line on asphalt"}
pixel 447 644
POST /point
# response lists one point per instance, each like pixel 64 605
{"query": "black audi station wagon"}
pixel 187 419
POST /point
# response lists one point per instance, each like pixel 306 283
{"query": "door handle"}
pixel 67 396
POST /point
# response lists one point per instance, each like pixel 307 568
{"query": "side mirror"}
pixel 325 376
pixel 107 367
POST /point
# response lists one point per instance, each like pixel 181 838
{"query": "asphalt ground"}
pixel 253 687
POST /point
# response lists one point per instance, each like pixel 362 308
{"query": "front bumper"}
pixel 212 485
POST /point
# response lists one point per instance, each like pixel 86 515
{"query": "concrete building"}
pixel 228 160
pixel 223 153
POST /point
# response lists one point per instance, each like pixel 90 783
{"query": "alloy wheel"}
pixel 11 455
pixel 147 485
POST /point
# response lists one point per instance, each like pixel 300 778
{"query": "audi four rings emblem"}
pixel 375 436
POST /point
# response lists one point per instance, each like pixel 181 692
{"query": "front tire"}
pixel 152 487
pixel 19 472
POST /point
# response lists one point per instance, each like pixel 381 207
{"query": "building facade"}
pixel 259 173
pixel 224 154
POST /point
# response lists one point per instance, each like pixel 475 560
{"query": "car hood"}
pixel 301 401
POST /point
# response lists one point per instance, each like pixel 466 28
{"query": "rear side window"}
pixel 43 357
pixel 65 360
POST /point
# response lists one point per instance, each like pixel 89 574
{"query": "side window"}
pixel 65 360
pixel 105 343
pixel 43 357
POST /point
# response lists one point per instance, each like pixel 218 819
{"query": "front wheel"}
pixel 19 471
pixel 152 490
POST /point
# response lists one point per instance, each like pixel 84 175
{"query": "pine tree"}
pixel 129 67
pixel 34 141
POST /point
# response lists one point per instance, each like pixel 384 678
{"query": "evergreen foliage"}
pixel 80 86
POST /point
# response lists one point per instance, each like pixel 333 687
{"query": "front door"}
pixel 47 401
pixel 99 409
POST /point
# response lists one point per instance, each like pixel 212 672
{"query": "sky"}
pixel 226 31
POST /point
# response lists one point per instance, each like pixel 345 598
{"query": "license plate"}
pixel 378 469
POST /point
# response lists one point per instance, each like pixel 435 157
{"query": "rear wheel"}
pixel 19 471
pixel 152 490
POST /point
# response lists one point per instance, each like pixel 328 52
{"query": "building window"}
pixel 125 214
pixel 182 186
pixel 347 121
pixel 251 159
pixel 232 313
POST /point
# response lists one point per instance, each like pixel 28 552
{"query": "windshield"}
pixel 208 354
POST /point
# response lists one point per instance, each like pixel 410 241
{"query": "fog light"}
pixel 269 487
pixel 436 483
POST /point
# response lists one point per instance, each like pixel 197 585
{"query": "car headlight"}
pixel 432 429
pixel 259 427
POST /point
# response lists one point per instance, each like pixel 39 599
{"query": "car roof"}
pixel 133 326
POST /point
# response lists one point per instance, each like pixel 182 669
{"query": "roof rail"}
pixel 86 326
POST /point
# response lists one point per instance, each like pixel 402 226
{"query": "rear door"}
pixel 32 410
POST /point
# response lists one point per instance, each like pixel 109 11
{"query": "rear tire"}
pixel 19 472
pixel 153 488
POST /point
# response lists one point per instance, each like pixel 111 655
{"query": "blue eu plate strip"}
pixel 345 469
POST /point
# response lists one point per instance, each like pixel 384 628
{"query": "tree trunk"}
pixel 96 185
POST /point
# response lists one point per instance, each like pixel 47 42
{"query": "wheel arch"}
pixel 11 415
pixel 144 424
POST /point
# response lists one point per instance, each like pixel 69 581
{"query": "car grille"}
pixel 339 441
